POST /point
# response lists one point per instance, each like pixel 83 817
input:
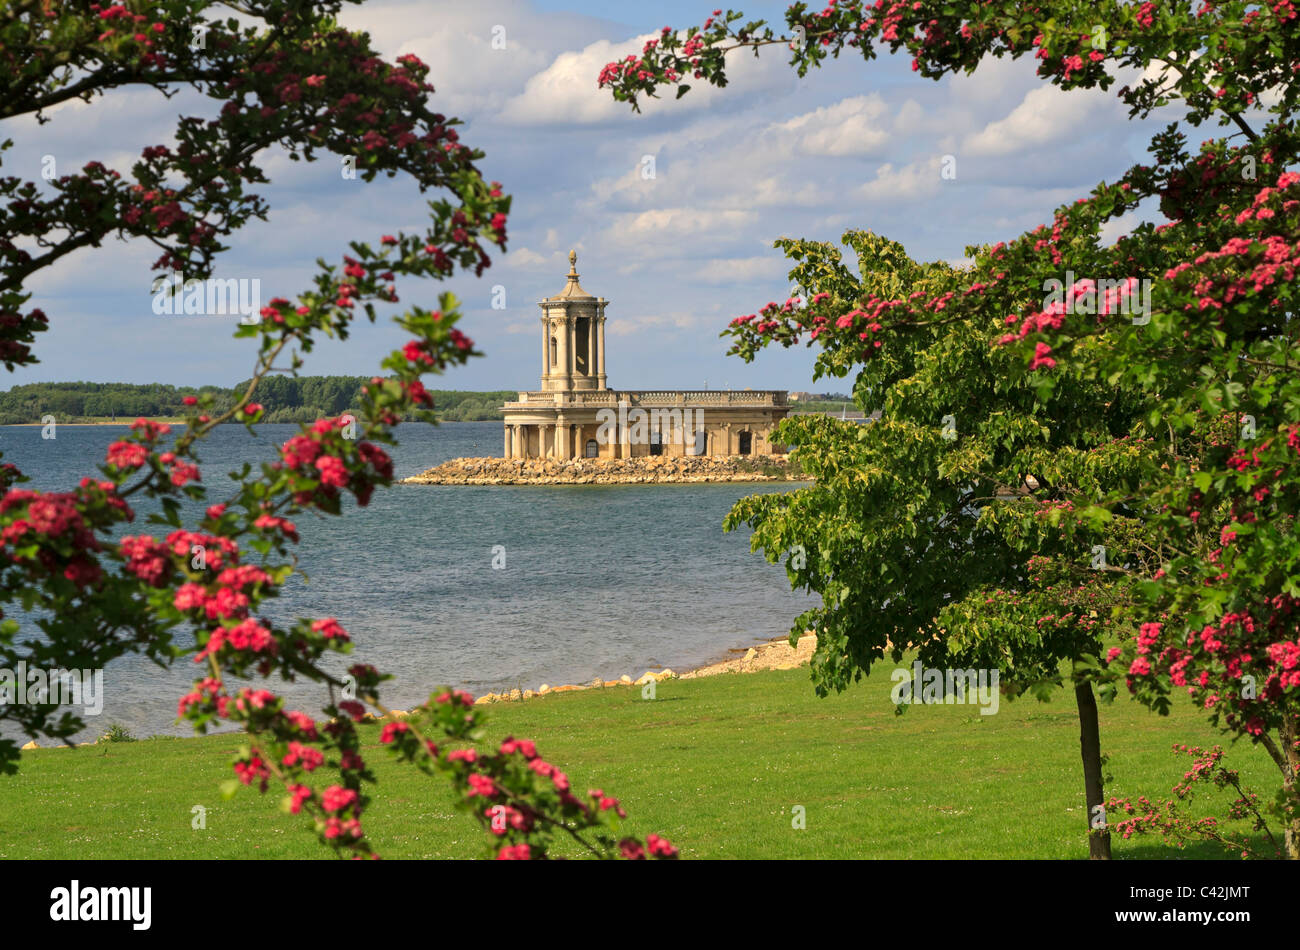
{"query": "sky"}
pixel 853 145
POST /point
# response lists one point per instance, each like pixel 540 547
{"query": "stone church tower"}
pixel 573 337
pixel 576 415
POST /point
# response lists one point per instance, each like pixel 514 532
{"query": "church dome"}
pixel 572 288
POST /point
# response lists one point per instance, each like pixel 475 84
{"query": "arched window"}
pixel 656 443
pixel 555 355
pixel 593 450
pixel 746 443
pixel 697 443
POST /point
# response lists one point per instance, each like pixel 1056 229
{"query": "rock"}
pixel 516 695
pixel 611 683
pixel 544 688
pixel 599 471
pixel 566 689
pixel 529 694
pixel 749 655
pixel 625 680
pixel 486 698
pixel 646 677
pixel 666 674
pixel 30 745
pixel 597 682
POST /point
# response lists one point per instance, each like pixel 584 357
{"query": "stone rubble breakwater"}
pixel 600 471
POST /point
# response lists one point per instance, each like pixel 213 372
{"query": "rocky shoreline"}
pixel 651 469
pixel 775 655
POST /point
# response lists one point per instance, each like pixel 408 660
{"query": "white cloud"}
pixel 727 270
pixel 668 224
pixel 469 75
pixel 1045 116
pixel 523 257
pixel 912 181
pixel 851 127
pixel 566 90
pixel 629 326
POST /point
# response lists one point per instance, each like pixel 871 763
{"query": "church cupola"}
pixel 573 337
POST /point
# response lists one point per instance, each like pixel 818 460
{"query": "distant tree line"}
pixel 286 398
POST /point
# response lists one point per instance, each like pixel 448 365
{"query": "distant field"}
pixel 715 764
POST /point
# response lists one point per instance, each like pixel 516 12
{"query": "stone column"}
pixel 546 349
pixel 591 348
pixel 562 369
pixel 561 437
pixel 624 436
pixel 571 364
pixel 600 346
pixel 505 452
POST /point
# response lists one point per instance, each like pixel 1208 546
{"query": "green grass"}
pixel 715 764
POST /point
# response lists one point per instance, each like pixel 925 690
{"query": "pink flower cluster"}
pixel 147 559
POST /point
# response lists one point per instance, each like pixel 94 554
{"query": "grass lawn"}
pixel 715 764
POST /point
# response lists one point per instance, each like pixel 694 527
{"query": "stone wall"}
pixel 600 471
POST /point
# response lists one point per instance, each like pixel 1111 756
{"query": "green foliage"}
pixel 286 399
pixel 117 733
pixel 919 527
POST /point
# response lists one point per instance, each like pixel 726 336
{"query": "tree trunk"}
pixel 1291 839
pixel 1090 749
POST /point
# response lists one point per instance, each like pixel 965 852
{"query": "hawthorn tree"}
pixel 940 528
pixel 281 73
pixel 1168 441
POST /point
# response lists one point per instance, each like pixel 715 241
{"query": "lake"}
pixel 599 580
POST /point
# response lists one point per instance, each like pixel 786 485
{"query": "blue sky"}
pixel 855 145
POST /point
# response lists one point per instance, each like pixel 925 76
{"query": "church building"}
pixel 576 415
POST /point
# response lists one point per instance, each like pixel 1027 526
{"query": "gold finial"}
pixel 573 263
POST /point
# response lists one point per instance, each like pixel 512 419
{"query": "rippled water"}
pixel 598 579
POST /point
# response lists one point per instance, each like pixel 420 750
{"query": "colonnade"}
pixel 563 439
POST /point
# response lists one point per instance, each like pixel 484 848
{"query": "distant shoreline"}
pixel 170 420
pixel 105 422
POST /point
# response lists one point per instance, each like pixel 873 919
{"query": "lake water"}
pixel 598 580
